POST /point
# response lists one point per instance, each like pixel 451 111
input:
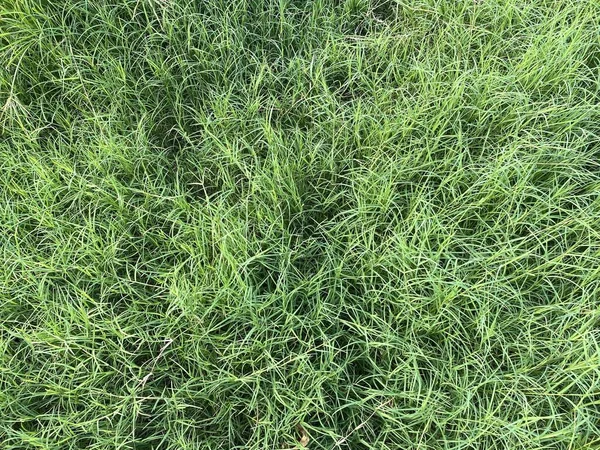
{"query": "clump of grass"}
pixel 361 224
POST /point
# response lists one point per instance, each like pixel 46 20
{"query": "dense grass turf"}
pixel 351 224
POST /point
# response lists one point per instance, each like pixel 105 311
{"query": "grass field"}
pixel 288 224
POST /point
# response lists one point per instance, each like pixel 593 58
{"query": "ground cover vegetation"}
pixel 351 224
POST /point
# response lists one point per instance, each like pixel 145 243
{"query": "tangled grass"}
pixel 328 224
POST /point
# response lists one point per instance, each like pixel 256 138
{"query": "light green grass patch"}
pixel 352 224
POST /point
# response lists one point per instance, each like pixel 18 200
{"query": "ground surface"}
pixel 252 224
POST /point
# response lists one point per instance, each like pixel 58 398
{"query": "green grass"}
pixel 239 224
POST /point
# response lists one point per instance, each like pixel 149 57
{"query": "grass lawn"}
pixel 295 224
